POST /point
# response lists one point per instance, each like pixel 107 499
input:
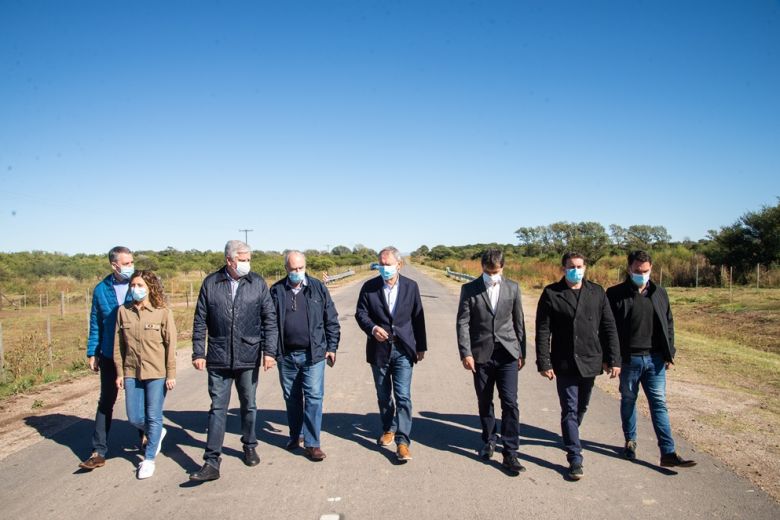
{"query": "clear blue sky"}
pixel 155 124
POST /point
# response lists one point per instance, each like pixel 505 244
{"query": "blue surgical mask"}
pixel 138 293
pixel 126 272
pixel 640 279
pixel 387 271
pixel 491 279
pixel 296 277
pixel 575 275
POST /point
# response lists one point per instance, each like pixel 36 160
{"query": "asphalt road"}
pixel 359 480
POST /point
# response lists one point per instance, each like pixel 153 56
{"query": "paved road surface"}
pixel 359 480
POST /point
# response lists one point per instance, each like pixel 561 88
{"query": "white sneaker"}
pixel 159 444
pixel 145 469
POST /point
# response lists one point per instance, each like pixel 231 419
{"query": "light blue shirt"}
pixel 121 288
pixel 391 295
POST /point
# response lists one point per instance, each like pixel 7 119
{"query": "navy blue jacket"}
pixel 408 324
pixel 239 330
pixel 102 318
pixel 324 328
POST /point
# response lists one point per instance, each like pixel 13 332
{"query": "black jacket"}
pixel 324 328
pixel 238 330
pixel 583 334
pixel 621 299
pixel 408 324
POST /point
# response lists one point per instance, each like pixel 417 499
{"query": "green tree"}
pixel 753 239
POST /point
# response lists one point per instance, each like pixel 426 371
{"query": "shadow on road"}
pixel 189 422
pixel 77 437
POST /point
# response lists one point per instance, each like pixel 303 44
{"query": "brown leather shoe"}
pixel 314 453
pixel 386 439
pixel 403 452
pixel 94 461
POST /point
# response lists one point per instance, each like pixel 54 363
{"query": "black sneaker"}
pixel 512 464
pixel 487 450
pixel 206 473
pixel 251 458
pixel 630 451
pixel 576 472
pixel 672 460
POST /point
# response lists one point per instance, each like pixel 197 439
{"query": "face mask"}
pixel 640 279
pixel 138 293
pixel 296 277
pixel 387 271
pixel 242 268
pixel 491 279
pixel 575 275
pixel 126 272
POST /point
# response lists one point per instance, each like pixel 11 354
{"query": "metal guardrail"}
pixel 460 276
pixel 340 276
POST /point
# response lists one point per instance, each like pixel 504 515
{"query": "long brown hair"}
pixel 156 292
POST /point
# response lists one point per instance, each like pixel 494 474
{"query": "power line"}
pixel 246 234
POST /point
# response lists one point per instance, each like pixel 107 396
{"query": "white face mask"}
pixel 242 268
pixel 491 279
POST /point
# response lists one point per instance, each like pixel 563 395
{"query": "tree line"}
pixel 752 240
pixel 18 270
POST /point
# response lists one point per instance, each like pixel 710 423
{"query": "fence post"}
pixel 62 304
pixel 697 273
pixel 731 277
pixel 48 339
pixel 24 300
pixel 758 275
pixel 2 356
pixel 88 307
pixel 661 278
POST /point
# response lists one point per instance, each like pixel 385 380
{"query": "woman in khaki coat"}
pixel 145 358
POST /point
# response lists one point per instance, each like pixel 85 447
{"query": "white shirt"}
pixel 391 295
pixel 233 284
pixel 493 290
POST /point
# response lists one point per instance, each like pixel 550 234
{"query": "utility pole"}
pixel 246 234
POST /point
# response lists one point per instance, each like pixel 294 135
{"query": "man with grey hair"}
pixel 236 313
pixel 108 295
pixel 389 310
pixel 309 333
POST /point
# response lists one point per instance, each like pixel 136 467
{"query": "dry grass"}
pixel 25 338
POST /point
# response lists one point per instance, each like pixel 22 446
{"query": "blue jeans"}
pixel 144 403
pixel 574 395
pixel 303 384
pixel 394 382
pixel 220 381
pixel 650 372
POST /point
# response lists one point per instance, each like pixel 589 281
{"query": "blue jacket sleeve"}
pixel 94 325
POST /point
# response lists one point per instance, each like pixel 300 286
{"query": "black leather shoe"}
pixel 576 472
pixel 512 464
pixel 204 474
pixel 293 444
pixel 630 451
pixel 487 450
pixel 251 458
pixel 672 460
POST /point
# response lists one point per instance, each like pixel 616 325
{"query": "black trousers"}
pixel 500 371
